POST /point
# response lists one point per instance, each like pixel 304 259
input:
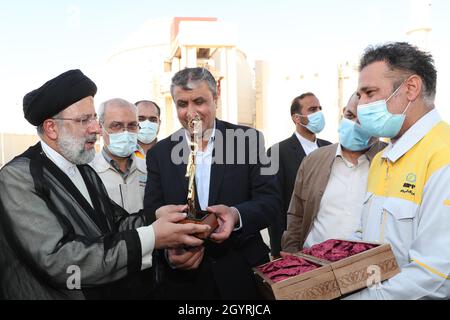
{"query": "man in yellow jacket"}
pixel 408 198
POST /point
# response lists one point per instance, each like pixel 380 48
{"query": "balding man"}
pixel 122 172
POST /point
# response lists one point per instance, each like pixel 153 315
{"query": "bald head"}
pixel 116 103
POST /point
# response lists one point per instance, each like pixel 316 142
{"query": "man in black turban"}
pixel 61 237
pixel 56 95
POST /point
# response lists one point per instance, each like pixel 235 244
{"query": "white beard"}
pixel 72 148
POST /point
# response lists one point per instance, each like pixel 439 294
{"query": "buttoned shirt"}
pixel 341 205
pixel 203 162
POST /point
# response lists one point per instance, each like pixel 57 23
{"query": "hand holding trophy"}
pixel 194 215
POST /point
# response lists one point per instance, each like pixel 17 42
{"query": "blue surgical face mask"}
pixel 352 136
pixel 316 122
pixel 378 121
pixel 147 133
pixel 122 144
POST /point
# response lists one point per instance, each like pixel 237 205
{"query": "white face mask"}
pixel 316 122
pixel 148 132
pixel 376 119
pixel 122 144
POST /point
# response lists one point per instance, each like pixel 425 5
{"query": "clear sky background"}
pixel 40 39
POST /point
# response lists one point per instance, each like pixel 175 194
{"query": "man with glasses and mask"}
pixel 408 198
pixel 122 172
pixel 61 237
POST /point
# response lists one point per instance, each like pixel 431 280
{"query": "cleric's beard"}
pixel 72 148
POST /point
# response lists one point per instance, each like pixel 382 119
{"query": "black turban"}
pixel 56 95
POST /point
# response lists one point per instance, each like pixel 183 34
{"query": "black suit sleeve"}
pixel 153 196
pixel 264 205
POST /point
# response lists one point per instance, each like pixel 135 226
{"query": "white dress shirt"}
pixel 308 146
pixel 203 162
pixel 146 234
pixel 342 202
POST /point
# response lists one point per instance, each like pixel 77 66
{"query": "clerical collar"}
pixel 65 165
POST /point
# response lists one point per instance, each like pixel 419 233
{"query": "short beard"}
pixel 72 148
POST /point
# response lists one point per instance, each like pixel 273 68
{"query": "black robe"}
pixel 48 230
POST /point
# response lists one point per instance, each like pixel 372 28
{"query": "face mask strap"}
pixel 404 112
pixel 396 90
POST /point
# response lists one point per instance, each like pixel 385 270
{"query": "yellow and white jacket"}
pixel 408 206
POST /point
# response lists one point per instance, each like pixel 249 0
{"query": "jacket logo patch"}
pixel 410 184
pixel 142 180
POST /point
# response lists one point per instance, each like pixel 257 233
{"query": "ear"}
pixel 414 87
pixel 51 130
pixel 295 118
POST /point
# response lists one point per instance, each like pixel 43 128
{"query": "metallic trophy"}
pixel 194 215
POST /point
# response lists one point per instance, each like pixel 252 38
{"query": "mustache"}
pixel 92 138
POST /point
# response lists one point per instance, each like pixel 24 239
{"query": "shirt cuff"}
pixel 147 237
pixel 239 227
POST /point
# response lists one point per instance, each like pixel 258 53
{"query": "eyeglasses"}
pixel 84 121
pixel 120 126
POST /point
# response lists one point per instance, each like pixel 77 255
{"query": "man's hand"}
pixel 169 209
pixel 186 259
pixel 227 218
pixel 170 234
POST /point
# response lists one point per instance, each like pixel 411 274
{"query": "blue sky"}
pixel 43 38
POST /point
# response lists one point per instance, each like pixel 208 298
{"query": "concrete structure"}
pixel 419 28
pixel 141 68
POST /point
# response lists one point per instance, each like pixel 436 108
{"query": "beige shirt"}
pixel 125 190
pixel 341 205
pixel 310 185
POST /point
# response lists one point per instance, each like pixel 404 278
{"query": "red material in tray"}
pixel 335 250
pixel 287 267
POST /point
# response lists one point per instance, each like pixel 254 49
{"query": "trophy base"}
pixel 208 219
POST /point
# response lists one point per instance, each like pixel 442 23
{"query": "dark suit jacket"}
pixel 291 156
pixel 225 272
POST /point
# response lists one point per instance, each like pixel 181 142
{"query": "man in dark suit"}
pixel 306 113
pixel 230 182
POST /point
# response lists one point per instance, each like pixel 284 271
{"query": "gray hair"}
pixel 185 77
pixel 40 128
pixel 409 60
pixel 116 101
